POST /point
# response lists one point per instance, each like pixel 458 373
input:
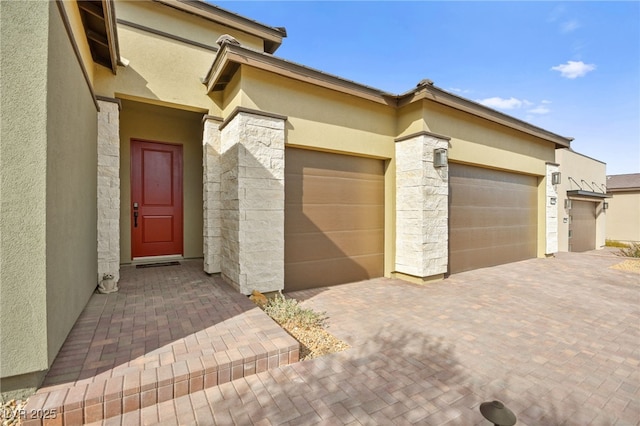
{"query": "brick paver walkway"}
pixel 557 340
pixel 168 332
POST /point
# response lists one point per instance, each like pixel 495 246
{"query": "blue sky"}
pixel 572 68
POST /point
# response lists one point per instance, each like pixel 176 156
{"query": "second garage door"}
pixel 492 217
pixel 334 219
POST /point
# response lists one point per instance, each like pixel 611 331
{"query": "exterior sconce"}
pixel 555 178
pixel 552 201
pixel 440 157
pixel 605 205
pixel 567 204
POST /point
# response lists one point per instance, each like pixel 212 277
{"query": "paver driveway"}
pixel 557 340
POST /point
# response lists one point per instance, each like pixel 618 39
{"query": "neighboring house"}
pixel 582 194
pixel 623 215
pixel 138 138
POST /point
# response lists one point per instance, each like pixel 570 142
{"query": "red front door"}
pixel 156 199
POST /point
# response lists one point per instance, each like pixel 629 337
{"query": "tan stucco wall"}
pixel 161 124
pixel 23 55
pixel 326 120
pixel 48 191
pixel 161 70
pixel 623 216
pixel 579 167
pixel 71 189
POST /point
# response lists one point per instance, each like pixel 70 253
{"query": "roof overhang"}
pixel 231 56
pixel 578 193
pixel 99 21
pixel 435 94
pixel 272 36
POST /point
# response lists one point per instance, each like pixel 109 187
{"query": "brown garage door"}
pixel 334 219
pixel 582 226
pixel 492 217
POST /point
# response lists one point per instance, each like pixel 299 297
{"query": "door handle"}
pixel 135 219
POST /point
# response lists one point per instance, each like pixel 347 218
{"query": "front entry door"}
pixel 156 199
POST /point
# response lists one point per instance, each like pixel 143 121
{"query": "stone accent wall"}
pixel 109 190
pixel 422 193
pixel 552 211
pixel 252 202
pixel 211 229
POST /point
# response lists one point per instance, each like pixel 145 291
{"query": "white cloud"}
pixel 500 103
pixel 540 110
pixel 544 101
pixel 458 90
pixel 569 26
pixel 574 69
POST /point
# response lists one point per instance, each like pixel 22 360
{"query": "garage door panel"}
pixel 333 245
pixel 492 217
pixel 304 275
pixel 473 217
pixel 334 219
pixel 331 190
pixel 300 161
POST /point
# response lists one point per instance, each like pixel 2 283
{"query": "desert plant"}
pixel 614 243
pixel 632 250
pixel 288 312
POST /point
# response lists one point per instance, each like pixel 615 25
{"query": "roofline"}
pixel 231 56
pixel 585 156
pixel 624 189
pixel 436 94
pixel 272 36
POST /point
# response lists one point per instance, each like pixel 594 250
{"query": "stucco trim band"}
pixel 76 51
pixel 422 133
pixel 240 109
pixel 167 35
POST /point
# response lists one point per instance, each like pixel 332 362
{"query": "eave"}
pixel 435 94
pixel 99 21
pixel 231 56
pixel 272 36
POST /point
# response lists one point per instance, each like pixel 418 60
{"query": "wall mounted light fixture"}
pixel 605 205
pixel 555 178
pixel 440 157
pixel 552 201
pixel 567 204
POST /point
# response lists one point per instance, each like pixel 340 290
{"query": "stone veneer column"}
pixel 211 229
pixel 422 195
pixel 551 211
pixel 109 193
pixel 252 196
